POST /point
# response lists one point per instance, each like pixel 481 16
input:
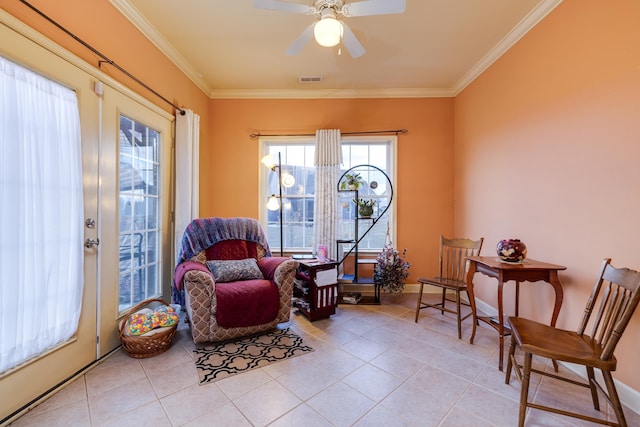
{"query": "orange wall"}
pixel 424 187
pixel 99 24
pixel 546 150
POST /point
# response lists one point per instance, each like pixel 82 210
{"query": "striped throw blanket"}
pixel 203 233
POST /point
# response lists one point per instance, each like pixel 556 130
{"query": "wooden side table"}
pixel 320 293
pixel 527 271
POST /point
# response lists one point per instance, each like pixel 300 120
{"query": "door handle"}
pixel 89 243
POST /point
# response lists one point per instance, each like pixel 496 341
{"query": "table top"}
pixel 316 262
pixel 527 264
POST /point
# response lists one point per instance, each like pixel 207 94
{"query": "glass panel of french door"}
pixel 139 222
pixel 135 168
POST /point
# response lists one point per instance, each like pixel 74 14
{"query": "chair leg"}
pixel 512 352
pixel 444 295
pixel 524 391
pixel 613 397
pixel 419 301
pixel 592 385
pixel 458 314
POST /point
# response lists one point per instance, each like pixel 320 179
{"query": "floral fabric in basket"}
pixel 146 320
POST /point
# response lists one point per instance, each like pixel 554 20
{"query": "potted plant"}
pixel 391 270
pixel 365 207
pixel 351 181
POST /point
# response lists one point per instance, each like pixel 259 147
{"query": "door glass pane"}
pixel 139 221
pixel 41 214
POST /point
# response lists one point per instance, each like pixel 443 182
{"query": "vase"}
pixel 512 250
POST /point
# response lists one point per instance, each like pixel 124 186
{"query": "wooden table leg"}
pixel 557 287
pixel 517 298
pixel 472 299
pixel 500 324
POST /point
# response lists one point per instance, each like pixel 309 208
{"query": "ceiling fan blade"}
pixel 351 42
pixel 283 6
pixel 301 41
pixel 373 7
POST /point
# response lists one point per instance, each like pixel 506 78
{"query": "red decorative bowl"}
pixel 512 250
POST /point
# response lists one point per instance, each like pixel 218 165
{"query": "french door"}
pixel 21 384
pixel 135 174
pixel 106 293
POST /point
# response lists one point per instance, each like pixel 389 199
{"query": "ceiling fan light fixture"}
pixel 328 31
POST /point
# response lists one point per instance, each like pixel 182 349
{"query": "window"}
pixel 297 156
pixel 139 216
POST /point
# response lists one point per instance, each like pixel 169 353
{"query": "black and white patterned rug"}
pixel 234 357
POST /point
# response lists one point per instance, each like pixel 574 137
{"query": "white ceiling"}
pixel 232 50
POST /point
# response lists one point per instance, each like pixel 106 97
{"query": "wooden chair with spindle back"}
pixel 452 276
pixel 613 301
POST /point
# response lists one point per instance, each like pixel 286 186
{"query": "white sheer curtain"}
pixel 41 214
pixel 328 157
pixel 187 173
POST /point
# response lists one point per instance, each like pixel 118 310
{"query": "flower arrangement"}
pixel 392 270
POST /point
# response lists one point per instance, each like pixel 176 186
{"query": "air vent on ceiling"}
pixel 310 79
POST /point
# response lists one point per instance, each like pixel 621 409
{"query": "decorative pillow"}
pixel 234 270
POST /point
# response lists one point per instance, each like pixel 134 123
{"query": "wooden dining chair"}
pixel 451 276
pixel 612 302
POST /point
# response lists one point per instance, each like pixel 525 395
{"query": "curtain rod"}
pixel 104 58
pixel 378 132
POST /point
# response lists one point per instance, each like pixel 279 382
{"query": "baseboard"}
pixel 414 288
pixel 368 289
pixel 628 396
pixel 49 393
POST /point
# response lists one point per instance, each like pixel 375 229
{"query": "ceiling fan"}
pixel 329 30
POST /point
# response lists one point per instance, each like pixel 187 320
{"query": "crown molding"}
pixel 331 93
pixel 145 27
pixel 523 27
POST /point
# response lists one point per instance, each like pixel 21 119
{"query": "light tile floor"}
pixel 372 366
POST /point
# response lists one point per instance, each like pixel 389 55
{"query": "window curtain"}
pixel 41 214
pixel 187 173
pixel 328 157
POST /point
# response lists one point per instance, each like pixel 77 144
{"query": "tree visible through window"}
pixel 297 156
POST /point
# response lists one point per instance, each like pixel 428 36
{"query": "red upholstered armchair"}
pixel 228 281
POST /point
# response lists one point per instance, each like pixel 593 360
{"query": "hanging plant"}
pixel 392 270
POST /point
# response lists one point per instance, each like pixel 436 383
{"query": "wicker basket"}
pixel 141 347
